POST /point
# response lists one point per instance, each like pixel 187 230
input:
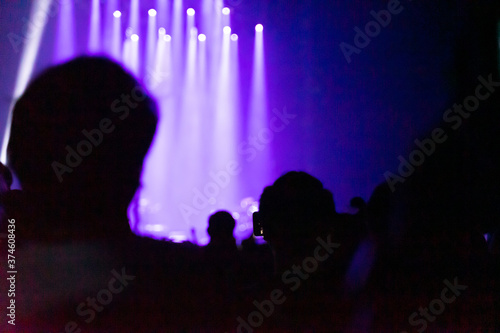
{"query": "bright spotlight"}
pixel 227 30
pixel 134 37
pixel 167 38
pixel 202 37
pixel 190 11
pixel 153 227
pixel 252 209
pixel 152 12
pixel 259 27
pixel 161 31
pixel 117 14
pixel 225 11
pixel 234 37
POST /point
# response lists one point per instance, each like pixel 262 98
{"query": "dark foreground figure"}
pixel 79 136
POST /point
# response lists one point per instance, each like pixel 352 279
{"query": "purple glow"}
pixel 177 32
pixel 65 40
pixel 30 51
pixel 95 28
pixel 134 15
pixel 163 12
pixel 193 33
pixel 340 133
pixel 190 24
pixel 258 127
pixel 202 63
pixel 129 32
pixel 151 40
pixel 116 37
pixel 131 54
pixel 195 80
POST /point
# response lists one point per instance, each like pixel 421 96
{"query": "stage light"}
pixel 134 37
pixel 225 11
pixel 193 32
pixel 167 38
pixel 151 39
pixel 116 40
pixel 133 15
pixel 190 12
pixel 161 31
pixel 202 37
pixel 154 227
pixel 252 209
pixel 246 202
pixel 227 30
pixel 259 27
pixel 28 58
pixel 94 42
pixel 234 37
pixel 177 237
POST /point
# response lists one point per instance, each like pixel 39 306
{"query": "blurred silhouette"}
pixel 359 204
pixel 78 139
pixel 79 135
pixel 222 257
pixel 221 253
pixel 5 179
pixel 220 229
pixel 295 210
pixel 305 233
pixel 5 184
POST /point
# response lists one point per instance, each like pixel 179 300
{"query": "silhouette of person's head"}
pixel 358 203
pixel 379 209
pixel 5 179
pixel 220 228
pixel 78 138
pixel 294 211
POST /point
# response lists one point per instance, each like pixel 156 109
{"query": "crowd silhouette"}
pixel 409 260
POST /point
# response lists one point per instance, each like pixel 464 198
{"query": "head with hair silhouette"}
pixel 220 229
pixel 78 138
pixel 294 211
